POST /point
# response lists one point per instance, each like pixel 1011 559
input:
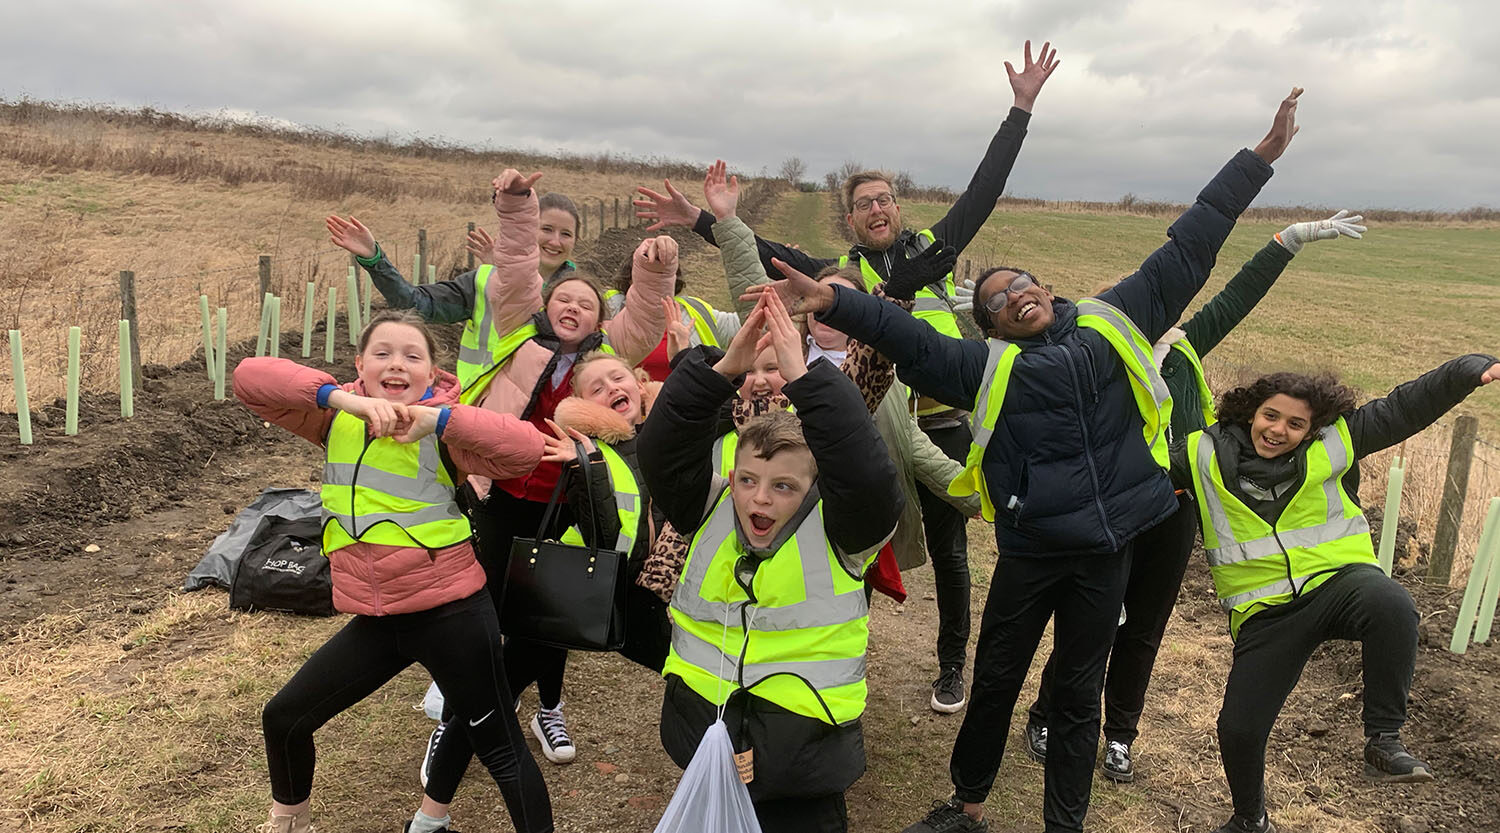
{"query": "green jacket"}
pixel 1211 324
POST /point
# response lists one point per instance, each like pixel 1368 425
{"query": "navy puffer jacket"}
pixel 1069 442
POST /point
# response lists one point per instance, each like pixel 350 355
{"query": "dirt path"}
pixel 803 218
pixel 130 706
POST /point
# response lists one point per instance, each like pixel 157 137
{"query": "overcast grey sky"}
pixel 1401 110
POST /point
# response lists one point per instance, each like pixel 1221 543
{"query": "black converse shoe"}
pixel 1386 759
pixel 948 691
pixel 1118 766
pixel 432 743
pixel 948 817
pixel 1036 742
pixel 552 733
pixel 1240 824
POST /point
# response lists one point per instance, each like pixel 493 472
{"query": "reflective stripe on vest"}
pixel 701 314
pixel 385 492
pixel 1205 394
pixel 810 620
pixel 1146 384
pixel 481 350
pixel 1256 565
pixel 627 502
pixel 723 453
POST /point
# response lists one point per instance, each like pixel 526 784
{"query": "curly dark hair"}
pixel 1323 393
pixel 982 315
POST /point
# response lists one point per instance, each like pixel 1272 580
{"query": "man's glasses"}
pixel 1020 283
pixel 883 200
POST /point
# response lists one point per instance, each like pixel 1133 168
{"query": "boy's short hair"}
pixel 770 434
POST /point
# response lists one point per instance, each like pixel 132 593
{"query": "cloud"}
pixel 1152 95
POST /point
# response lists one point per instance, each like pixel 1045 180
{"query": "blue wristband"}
pixel 442 423
pixel 324 392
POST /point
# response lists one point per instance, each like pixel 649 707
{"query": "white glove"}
pixel 1294 235
pixel 963 295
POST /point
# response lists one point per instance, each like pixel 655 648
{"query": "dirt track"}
pixel 153 491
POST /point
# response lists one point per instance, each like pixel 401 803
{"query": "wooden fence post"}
pixel 421 255
pixel 265 277
pixel 1455 487
pixel 127 312
pixel 471 254
pixel 601 216
pixel 617 212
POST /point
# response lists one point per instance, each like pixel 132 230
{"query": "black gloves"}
pixel 909 274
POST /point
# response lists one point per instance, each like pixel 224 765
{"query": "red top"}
pixel 538 484
pixel 655 364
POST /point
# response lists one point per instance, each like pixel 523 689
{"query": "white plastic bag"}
pixel 710 798
pixel 432 703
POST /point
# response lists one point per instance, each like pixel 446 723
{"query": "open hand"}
pixel 669 209
pixel 800 294
pixel 422 421
pixel 740 355
pixel 963 295
pixel 481 246
pixel 1283 128
pixel 350 235
pixel 561 446
pixel 1341 224
pixel 678 335
pixel 511 181
pixel 721 195
pixel 784 337
pixel 1028 82
pixel 909 274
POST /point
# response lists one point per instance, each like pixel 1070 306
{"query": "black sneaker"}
pixel 948 691
pixel 948 817
pixel 1240 824
pixel 552 733
pixel 1386 759
pixel 1036 742
pixel 1118 766
pixel 432 742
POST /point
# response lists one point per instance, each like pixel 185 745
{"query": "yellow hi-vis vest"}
pixel 809 624
pixel 702 315
pixel 627 504
pixel 1256 565
pixel 482 350
pixel 934 308
pixel 380 491
pixel 1205 395
pixel 723 453
pixel 1146 384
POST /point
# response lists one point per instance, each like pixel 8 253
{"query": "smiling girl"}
pixel 401 558
pixel 1277 483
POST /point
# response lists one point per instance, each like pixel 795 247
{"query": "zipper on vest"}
pixel 1088 453
pixel 354 485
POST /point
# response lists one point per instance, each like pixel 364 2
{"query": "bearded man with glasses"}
pixel 1069 459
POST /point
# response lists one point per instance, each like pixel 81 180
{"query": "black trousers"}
pixel 948 545
pixel 1359 603
pixel 1084 594
pixel 1159 557
pixel 459 644
pixel 824 814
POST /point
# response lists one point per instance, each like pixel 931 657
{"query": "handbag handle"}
pixel 588 485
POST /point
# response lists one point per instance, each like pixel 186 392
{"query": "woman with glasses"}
pixel 1069 460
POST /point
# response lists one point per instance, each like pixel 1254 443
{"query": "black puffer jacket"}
pixel 1068 445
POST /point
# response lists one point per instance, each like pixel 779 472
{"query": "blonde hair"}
pixel 595 356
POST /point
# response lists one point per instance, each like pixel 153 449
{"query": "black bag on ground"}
pixel 564 595
pixel 284 569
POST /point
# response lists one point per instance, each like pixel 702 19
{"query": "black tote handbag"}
pixel 564 595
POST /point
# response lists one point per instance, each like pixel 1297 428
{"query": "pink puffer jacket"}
pixel 375 579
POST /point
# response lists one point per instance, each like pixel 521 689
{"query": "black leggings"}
pixel 1158 559
pixel 459 644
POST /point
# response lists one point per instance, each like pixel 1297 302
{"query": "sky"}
pixel 1401 110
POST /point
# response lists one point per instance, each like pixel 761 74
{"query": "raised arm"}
pixel 737 243
pixel 977 202
pixel 637 328
pixel 949 370
pixel 445 302
pixel 1227 309
pixel 1158 293
pixel 514 291
pixel 288 394
pixel 1414 405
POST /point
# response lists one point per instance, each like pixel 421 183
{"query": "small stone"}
pixel 1313 791
pixel 1346 696
pixel 604 767
pixel 915 720
pixel 611 749
pixel 91 548
pixel 1411 824
pixel 622 778
pixel 228 508
pixel 927 597
pixel 1317 728
pixel 17 539
pixel 265 425
pixel 644 802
